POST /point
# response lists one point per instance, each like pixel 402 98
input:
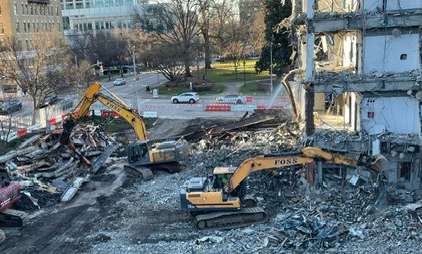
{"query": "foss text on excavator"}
pixel 142 153
pixel 221 201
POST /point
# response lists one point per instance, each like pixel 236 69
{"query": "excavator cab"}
pixel 221 177
pixel 138 153
pixel 165 155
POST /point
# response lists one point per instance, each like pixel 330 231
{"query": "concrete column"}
pixel 310 41
pixel 392 172
pixel 309 111
pixel 319 174
pixel 309 72
pixel 415 175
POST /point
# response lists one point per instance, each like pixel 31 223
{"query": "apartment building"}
pixel 21 19
pixel 360 60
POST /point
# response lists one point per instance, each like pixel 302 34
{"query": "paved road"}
pixel 135 95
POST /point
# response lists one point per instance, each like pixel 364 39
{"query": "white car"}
pixel 231 99
pixel 119 82
pixel 190 97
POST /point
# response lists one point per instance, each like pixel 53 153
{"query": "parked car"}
pixel 190 97
pixel 231 99
pixel 49 100
pixel 10 106
pixel 119 82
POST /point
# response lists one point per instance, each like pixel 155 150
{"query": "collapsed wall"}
pixel 362 62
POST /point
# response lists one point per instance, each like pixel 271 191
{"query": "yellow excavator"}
pixel 220 200
pixel 165 155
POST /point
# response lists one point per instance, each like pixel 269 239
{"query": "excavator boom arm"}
pixel 131 117
pixel 93 94
pixel 307 156
pixel 262 163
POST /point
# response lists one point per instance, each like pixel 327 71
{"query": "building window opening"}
pixel 403 57
pixel 405 168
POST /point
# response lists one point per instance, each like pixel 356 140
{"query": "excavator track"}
pixel 11 218
pixel 228 220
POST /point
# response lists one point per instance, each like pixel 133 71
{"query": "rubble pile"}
pixel 233 147
pixel 260 119
pixel 145 216
pixel 338 140
pixel 333 219
pixel 43 165
pixel 229 149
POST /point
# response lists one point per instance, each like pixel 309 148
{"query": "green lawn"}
pixel 259 88
pixel 221 74
pixel 225 72
pixel 182 87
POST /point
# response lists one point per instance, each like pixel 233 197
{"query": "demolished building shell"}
pixel 361 60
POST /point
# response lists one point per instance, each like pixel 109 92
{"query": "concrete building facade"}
pixel 360 60
pixel 21 19
pixel 86 16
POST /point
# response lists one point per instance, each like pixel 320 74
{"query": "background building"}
pixel 83 16
pixel 21 19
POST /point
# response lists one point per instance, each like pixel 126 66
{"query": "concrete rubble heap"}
pixel 337 217
pixel 49 171
pixel 137 216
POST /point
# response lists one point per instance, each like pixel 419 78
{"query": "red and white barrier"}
pixel 250 99
pixel 109 113
pixel 22 132
pixel 218 108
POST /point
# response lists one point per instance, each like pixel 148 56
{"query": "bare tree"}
pixel 34 71
pixel 205 16
pixel 78 74
pixel 180 22
pixel 256 32
pixel 236 41
pixel 235 52
pixel 167 61
pixel 5 128
pixel 222 12
pixel 109 47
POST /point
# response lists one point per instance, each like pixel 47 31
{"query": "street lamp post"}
pixel 244 71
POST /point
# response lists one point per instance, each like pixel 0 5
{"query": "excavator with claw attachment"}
pixel 220 200
pixel 142 155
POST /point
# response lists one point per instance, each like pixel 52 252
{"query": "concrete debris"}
pixel 2 236
pixel 42 165
pixel 414 206
pixel 261 119
pixel 356 232
pixel 210 239
pixel 145 216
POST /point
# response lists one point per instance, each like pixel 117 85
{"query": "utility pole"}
pixel 271 64
pixel 135 73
